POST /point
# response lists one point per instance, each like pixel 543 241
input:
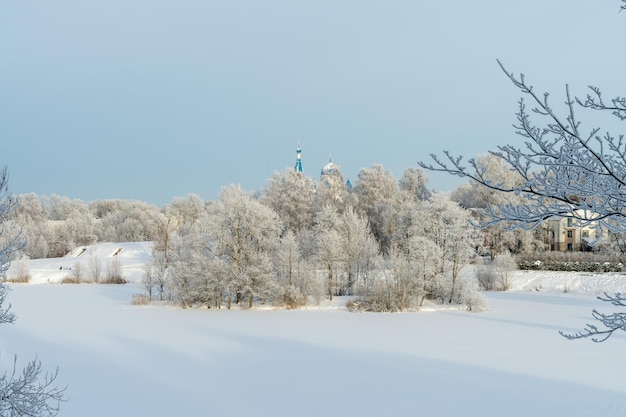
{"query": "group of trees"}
pixel 54 225
pixel 295 239
pixel 284 247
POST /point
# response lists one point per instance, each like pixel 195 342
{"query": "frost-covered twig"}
pixel 562 171
pixel 30 393
pixel 6 315
pixel 611 322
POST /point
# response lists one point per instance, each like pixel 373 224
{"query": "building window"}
pixel 570 247
pixel 570 222
pixel 570 233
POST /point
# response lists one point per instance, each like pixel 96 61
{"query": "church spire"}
pixel 298 166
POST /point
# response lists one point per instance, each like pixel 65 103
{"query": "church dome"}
pixel 329 168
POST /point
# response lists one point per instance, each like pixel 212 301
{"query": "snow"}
pixel 123 360
pixel 131 257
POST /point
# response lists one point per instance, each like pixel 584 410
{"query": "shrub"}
pixel 385 297
pixel 19 272
pixel 293 298
pixel 486 276
pixel 114 280
pixel 353 305
pixel 571 261
pixel 504 264
pixel 140 300
pixel 470 295
pixel 18 280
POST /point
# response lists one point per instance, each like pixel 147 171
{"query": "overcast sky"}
pixel 154 99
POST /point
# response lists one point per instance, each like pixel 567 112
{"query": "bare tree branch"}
pixel 28 394
pixel 6 315
pixel 611 322
pixel 564 171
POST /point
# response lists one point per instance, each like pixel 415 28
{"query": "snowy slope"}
pixel 131 256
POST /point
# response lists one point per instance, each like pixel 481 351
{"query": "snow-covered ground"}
pixel 123 360
pixel 131 257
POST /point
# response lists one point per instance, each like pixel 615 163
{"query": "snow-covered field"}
pixel 131 256
pixel 123 360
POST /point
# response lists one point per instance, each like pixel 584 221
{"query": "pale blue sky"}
pixel 154 99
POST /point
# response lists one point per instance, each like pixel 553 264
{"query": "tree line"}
pixel 296 239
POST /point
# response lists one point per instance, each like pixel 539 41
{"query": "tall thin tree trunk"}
pixel 330 282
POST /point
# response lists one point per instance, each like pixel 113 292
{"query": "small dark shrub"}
pixel 114 280
pixel 140 300
pixel 293 298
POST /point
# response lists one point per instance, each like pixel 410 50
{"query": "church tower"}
pixel 332 187
pixel 298 166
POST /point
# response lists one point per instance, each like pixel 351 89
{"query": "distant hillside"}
pixel 131 256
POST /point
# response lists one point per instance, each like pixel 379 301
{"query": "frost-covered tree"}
pixel 447 225
pixel 475 195
pixel 359 247
pixel 288 266
pixel 185 213
pixel 345 248
pixel 29 391
pixel 53 225
pixel 154 280
pixel 11 239
pixel 187 266
pixel 32 218
pixel 566 171
pixel 413 182
pixel 419 252
pixel 375 193
pixel 291 194
pixel 59 207
pixel 131 221
pixel 286 259
pixel 503 265
pixel 330 256
pixel 244 234
pixel 29 205
pixel 499 237
pixel 80 228
pixel 435 242
pixel 181 268
pixel 407 280
pixel 178 228
pixel 175 274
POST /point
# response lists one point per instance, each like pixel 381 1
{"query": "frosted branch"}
pixel 562 170
pixel 28 394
